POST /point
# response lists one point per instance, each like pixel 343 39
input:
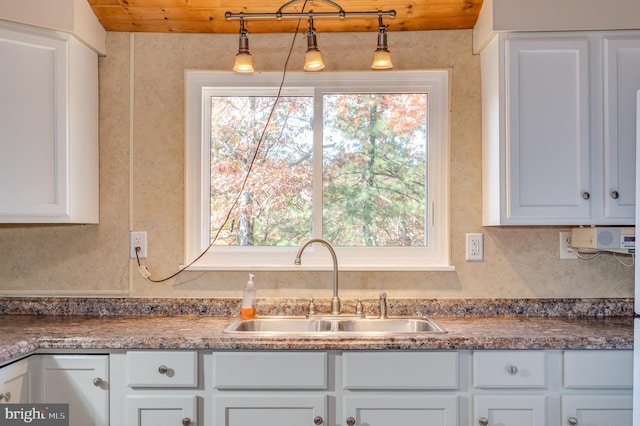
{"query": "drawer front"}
pixel 400 370
pixel 509 369
pixel 162 369
pixel 270 370
pixel 598 369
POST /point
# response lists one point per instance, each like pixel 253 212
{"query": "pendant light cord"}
pixel 142 268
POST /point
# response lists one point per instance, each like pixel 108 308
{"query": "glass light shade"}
pixel 382 60
pixel 313 60
pixel 243 63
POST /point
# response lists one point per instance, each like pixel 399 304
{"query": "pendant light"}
pixel 312 57
pixel 382 56
pixel 243 62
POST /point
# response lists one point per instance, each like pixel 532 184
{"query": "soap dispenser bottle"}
pixel 248 309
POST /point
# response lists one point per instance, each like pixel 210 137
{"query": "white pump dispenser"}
pixel 248 309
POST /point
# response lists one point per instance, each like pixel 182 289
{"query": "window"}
pixel 358 159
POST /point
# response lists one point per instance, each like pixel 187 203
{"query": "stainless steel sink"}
pixel 390 325
pixel 333 325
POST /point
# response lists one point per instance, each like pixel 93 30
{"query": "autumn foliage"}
pixel 373 177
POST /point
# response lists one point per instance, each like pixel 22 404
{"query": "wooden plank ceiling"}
pixel 208 16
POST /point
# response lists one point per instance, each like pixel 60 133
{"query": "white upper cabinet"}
pixel 558 128
pixel 49 121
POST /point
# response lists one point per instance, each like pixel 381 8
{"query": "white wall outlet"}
pixel 475 247
pixel 566 251
pixel 138 239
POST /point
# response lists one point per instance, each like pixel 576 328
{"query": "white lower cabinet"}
pixel 158 410
pixel 510 410
pixel 394 388
pixel 270 409
pixel 332 388
pixel 400 408
pixel 82 381
pixel 14 383
pixel 604 375
pixel 156 388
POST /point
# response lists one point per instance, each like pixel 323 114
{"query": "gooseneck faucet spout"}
pixel 335 300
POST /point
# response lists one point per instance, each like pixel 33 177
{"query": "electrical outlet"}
pixel 138 239
pixel 566 251
pixel 475 247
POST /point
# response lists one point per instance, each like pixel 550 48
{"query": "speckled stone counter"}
pixel 24 332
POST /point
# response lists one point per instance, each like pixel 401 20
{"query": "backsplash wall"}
pixel 141 187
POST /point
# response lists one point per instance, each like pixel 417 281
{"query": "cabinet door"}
pixel 49 121
pixel 509 410
pixel 621 83
pixel 165 410
pixel 79 380
pixel 401 409
pixel 14 383
pixel 33 148
pixel 598 410
pixel 547 133
pixel 283 409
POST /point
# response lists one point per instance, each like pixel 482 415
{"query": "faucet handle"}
pixel 312 307
pixel 383 305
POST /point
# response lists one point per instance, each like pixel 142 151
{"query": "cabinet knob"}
pixel 512 369
pixel 351 421
pixel 483 421
pixel 572 421
pixel 615 195
pixel 318 420
pixel 586 195
pixel 5 396
pixel 186 421
pixel 98 382
pixel 163 369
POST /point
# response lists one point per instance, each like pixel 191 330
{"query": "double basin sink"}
pixel 330 325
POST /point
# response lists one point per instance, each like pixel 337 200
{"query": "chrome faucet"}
pixel 335 300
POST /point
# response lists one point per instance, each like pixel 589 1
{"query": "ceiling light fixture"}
pixel 382 56
pixel 243 62
pixel 313 58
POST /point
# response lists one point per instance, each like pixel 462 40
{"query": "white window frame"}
pixel 197 174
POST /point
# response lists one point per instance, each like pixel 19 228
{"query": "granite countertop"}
pixel 26 329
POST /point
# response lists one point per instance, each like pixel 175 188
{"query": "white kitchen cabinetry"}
pixel 49 122
pixel 558 129
pixel 270 388
pixel 371 388
pixel 519 379
pixel 14 382
pixel 599 373
pixel 82 381
pixel 155 388
pixel 397 388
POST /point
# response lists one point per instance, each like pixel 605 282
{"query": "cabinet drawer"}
pixel 509 369
pixel 162 369
pixel 400 370
pixel 598 369
pixel 270 370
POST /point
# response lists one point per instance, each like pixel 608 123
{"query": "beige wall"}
pixel 148 145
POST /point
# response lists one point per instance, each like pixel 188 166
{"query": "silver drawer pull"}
pixel 186 421
pixel 615 195
pixel 318 420
pixel 572 421
pixel 512 369
pixel 5 396
pixel 351 421
pixel 163 369
pixel 98 382
pixel 483 421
